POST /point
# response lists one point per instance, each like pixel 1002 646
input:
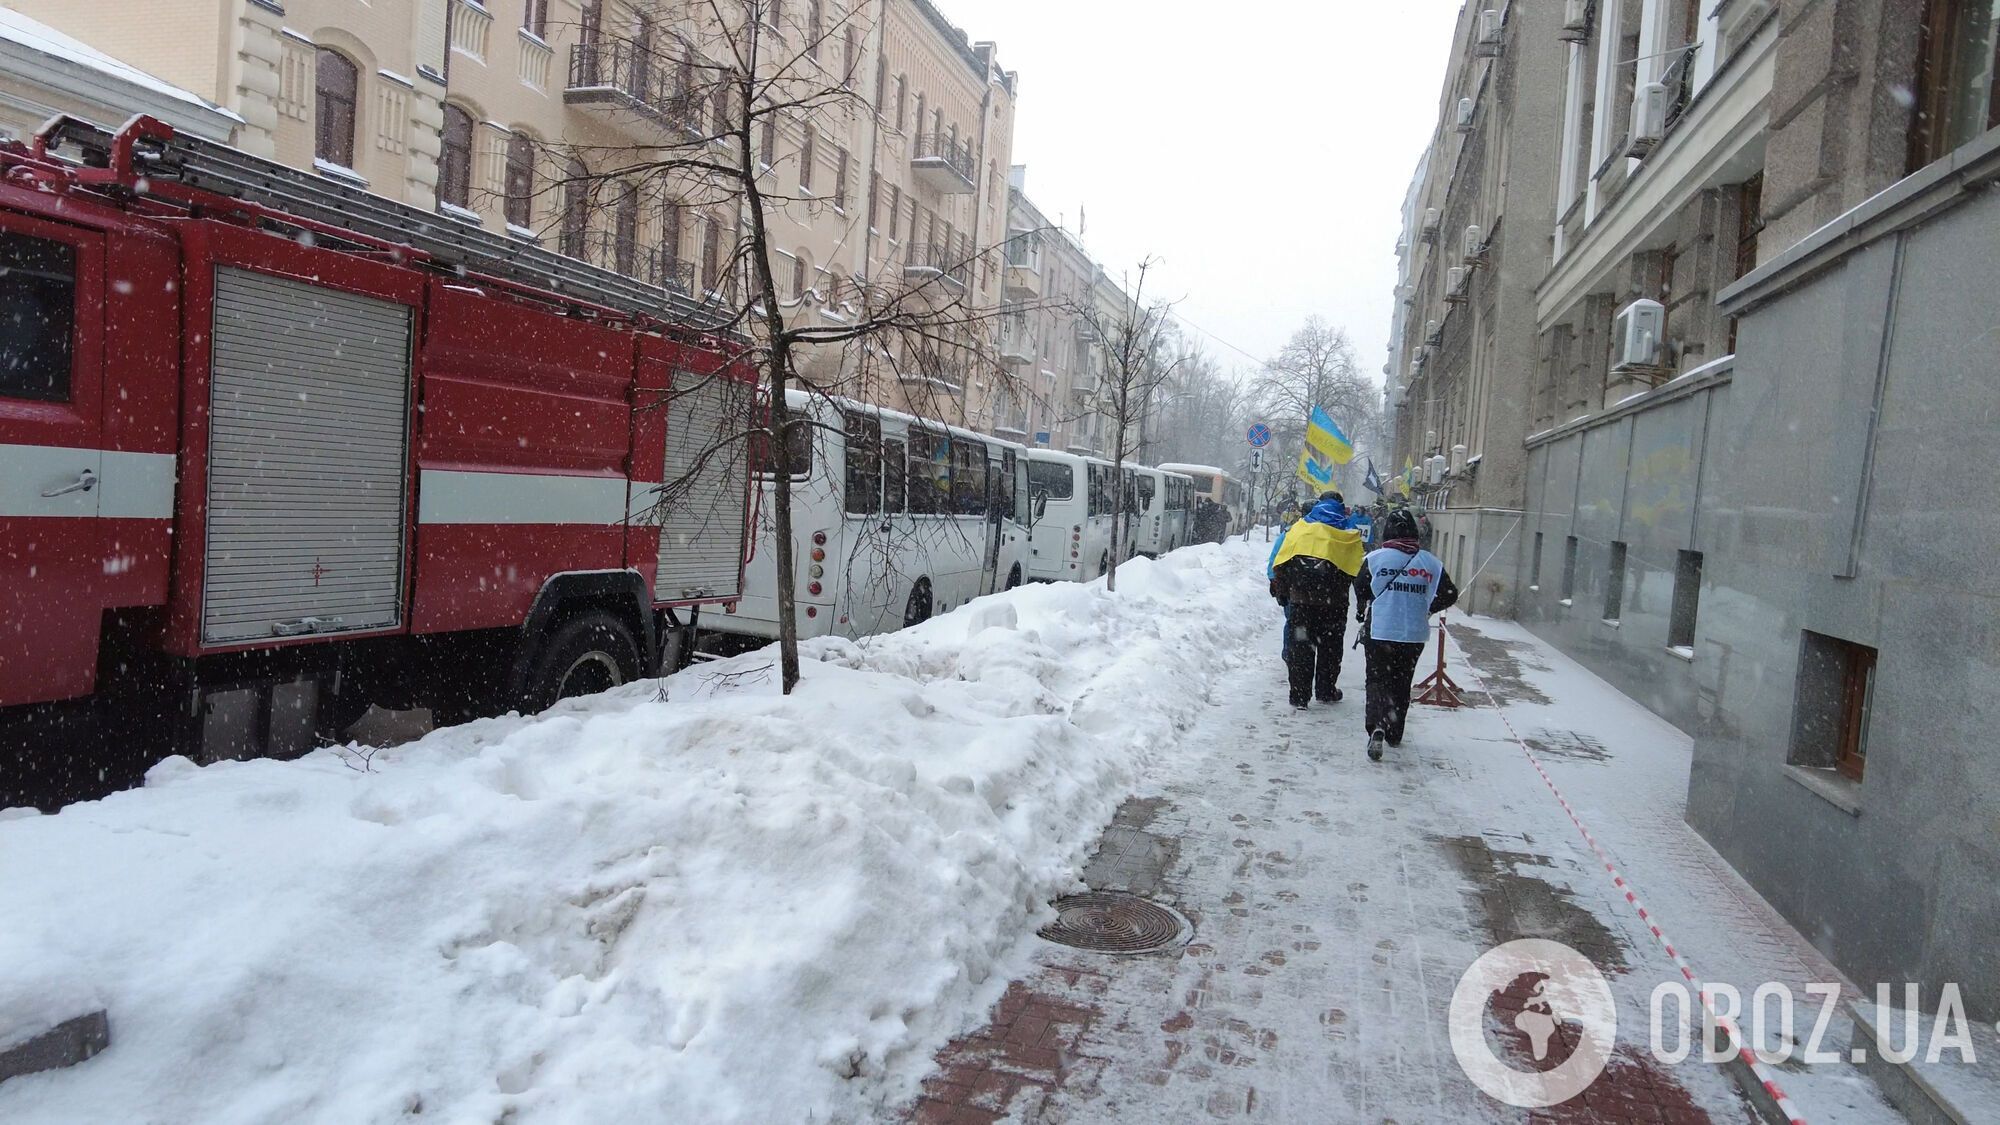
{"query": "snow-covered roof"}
pixel 81 60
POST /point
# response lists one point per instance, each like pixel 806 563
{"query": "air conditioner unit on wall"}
pixel 1491 33
pixel 1455 282
pixel 1636 336
pixel 1465 111
pixel 1649 118
pixel 1475 244
pixel 1576 21
pixel 1429 231
pixel 1433 331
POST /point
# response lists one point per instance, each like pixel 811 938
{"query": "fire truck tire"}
pixel 588 653
pixel 917 610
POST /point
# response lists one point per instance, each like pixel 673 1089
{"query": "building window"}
pixel 774 14
pixel 1749 224
pixel 768 148
pixel 806 157
pixel 850 51
pixel 812 29
pixel 874 197
pixel 881 88
pixel 1670 259
pixel 799 271
pixel 720 100
pixel 895 211
pixel 1687 602
pixel 1535 564
pixel 455 157
pixel 576 211
pixel 1569 569
pixel 840 179
pixel 711 255
pixel 625 244
pixel 335 86
pixel 902 99
pixel 37 318
pixel 1614 584
pixel 920 115
pixel 672 218
pixel 535 18
pixel 1831 711
pixel 520 180
pixel 1958 77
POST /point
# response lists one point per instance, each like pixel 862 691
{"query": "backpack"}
pixel 1311 580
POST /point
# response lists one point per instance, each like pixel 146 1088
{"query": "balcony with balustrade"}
pixel 620 74
pixel 944 163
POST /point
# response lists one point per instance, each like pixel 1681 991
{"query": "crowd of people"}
pixel 1330 556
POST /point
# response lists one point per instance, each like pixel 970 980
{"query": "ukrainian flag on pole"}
pixel 1325 439
pixel 1313 472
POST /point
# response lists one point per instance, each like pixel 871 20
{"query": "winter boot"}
pixel 1375 740
pixel 1334 698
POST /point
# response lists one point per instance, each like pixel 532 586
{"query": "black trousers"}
pixel 1392 665
pixel 1314 638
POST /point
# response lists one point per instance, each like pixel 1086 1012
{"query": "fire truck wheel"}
pixel 917 610
pixel 588 653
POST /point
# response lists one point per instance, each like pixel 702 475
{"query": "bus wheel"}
pixel 917 610
pixel 1104 565
pixel 591 652
pixel 1014 577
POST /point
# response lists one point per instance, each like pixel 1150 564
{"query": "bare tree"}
pixel 1137 364
pixel 1316 367
pixel 713 101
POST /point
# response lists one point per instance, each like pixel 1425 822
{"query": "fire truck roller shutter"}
pixel 308 456
pixel 707 482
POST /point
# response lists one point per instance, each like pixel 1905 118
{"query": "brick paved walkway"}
pixel 1337 902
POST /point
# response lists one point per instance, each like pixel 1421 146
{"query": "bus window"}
pixel 894 474
pixel 1100 491
pixel 930 473
pixel 864 464
pixel 1204 484
pixel 1054 480
pixel 1145 487
pixel 799 434
pixel 968 478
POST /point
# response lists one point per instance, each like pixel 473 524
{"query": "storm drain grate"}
pixel 1110 922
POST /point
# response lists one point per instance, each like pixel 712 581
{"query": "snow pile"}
pixel 728 906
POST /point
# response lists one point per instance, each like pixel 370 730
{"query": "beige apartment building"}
pixel 518 115
pixel 1058 363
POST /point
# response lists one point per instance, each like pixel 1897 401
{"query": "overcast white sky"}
pixel 1259 149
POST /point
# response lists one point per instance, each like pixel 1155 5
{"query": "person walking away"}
pixel 1312 565
pixel 1399 587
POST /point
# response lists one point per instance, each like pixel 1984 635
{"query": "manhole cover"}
pixel 1109 922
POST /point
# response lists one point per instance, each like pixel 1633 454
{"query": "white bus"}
pixel 1070 506
pixel 893 519
pixel 1160 501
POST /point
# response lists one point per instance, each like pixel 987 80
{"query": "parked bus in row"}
pixel 893 519
pixel 1159 502
pixel 1069 516
pixel 1220 488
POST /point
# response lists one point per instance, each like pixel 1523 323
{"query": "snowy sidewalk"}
pixel 1338 902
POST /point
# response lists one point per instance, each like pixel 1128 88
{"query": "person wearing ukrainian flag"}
pixel 1311 568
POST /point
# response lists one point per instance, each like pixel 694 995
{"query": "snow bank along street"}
pixel 698 900
pixel 722 906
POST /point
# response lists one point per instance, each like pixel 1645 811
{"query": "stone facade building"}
pixel 1475 245
pixel 1766 515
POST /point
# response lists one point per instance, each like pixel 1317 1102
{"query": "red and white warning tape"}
pixel 1735 1038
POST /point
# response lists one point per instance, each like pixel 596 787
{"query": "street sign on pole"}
pixel 1259 435
pixel 1256 459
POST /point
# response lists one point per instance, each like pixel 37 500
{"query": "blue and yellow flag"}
pixel 1341 546
pixel 1311 471
pixel 1325 439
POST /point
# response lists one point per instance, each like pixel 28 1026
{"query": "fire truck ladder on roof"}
pixel 155 150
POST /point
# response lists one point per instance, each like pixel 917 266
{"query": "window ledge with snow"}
pixel 519 231
pixel 1829 786
pixel 1681 652
pixel 462 214
pixel 1609 621
pixel 1567 602
pixel 339 172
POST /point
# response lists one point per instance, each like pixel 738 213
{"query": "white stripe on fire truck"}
pixel 452 496
pixel 134 486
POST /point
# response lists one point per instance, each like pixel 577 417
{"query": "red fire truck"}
pixel 273 449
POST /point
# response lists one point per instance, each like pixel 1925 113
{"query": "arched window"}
pixel 455 157
pixel 576 210
pixel 520 185
pixel 335 87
